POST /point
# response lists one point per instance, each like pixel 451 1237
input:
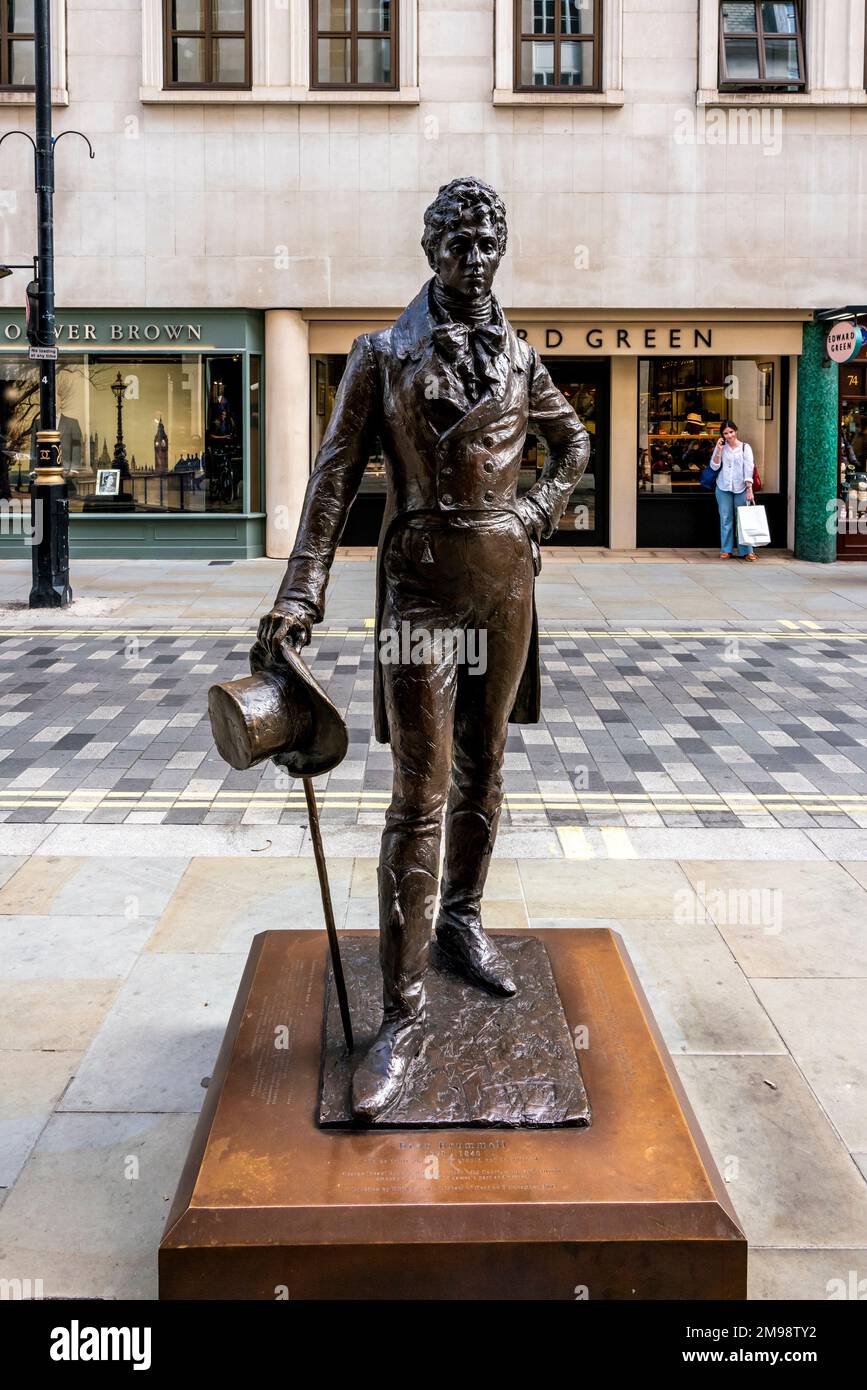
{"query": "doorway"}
pixel 586 384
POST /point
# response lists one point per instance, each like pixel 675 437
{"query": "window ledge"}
pixel 269 96
pixel 505 96
pixel 831 96
pixel 9 97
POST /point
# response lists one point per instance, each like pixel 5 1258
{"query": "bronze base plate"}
pixel 272 1206
pixel 485 1061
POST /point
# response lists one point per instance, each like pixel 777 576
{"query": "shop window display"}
pixel 853 442
pixel 172 427
pixel 583 386
pixel 682 403
pixel 581 383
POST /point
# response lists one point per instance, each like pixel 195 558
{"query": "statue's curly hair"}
pixel 455 198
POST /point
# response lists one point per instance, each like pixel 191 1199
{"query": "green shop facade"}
pixel 160 414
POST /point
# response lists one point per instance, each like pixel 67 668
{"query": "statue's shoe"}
pixel 380 1076
pixel 470 950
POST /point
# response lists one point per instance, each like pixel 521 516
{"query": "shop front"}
pixel 585 384
pixel 852 490
pixel 159 414
pixel 653 392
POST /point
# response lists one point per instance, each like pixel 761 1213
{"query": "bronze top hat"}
pixel 280 712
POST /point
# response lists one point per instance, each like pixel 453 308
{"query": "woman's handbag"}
pixel 753 525
pixel 709 476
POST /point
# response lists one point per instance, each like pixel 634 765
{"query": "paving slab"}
pixel 161 1036
pixel 791 1180
pixel 33 1082
pixel 786 919
pixel 812 1276
pixel 70 948
pixel 824 1025
pixel 87 1212
pixel 701 999
pixel 607 888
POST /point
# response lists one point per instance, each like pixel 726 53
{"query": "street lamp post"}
pixel 49 507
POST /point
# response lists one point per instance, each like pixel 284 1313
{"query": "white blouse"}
pixel 736 467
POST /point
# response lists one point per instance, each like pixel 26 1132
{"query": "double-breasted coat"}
pixel 444 452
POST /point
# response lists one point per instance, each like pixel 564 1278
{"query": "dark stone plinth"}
pixel 507 1063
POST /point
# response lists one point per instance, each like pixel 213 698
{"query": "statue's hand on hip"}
pixel 287 625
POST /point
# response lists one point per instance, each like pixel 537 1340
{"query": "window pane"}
pixel 188 14
pixel 576 16
pixel 333 60
pixel 742 61
pixel 781 60
pixel 21 19
pixel 374 16
pixel 334 16
pixel 229 61
pixel 537 16
pixel 188 60
pixel 255 415
pixel 228 15
pixel 576 64
pixel 739 19
pixel 779 19
pixel 22 63
pixel 374 60
pixel 537 64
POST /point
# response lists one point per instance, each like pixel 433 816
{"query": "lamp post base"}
pixel 49 516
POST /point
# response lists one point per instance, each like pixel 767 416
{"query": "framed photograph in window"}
pixel 765 393
pixel 107 482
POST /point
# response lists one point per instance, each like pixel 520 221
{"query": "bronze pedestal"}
pixel 272 1206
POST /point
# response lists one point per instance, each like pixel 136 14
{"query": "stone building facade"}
pixel 685 186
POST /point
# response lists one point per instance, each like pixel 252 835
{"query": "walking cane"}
pixel 331 929
pixel 281 712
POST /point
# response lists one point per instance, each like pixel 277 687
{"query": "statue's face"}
pixel 469 254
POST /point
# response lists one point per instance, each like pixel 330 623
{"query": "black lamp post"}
pixel 49 507
pixel 118 387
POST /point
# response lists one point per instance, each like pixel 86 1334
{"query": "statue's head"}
pixel 465 236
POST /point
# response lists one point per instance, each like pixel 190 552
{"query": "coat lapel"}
pixel 432 349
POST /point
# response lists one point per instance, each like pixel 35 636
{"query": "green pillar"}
pixel 816 449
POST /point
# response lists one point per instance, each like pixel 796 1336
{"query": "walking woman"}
pixel 735 466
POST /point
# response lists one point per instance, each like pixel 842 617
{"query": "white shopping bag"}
pixel 753 526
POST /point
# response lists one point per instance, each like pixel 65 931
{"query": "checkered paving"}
pixel 687 728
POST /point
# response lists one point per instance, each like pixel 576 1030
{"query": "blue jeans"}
pixel 727 502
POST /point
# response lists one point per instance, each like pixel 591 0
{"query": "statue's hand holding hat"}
pixel 288 622
pixel 280 711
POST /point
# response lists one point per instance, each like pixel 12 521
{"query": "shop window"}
pixel 557 45
pixel 255 433
pixel 585 386
pixel 18 53
pixel 207 43
pixel 761 46
pixel 353 44
pixel 852 489
pixel 326 374
pixel 682 403
pixel 162 434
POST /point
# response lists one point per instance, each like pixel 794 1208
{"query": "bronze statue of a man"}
pixel 450 391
